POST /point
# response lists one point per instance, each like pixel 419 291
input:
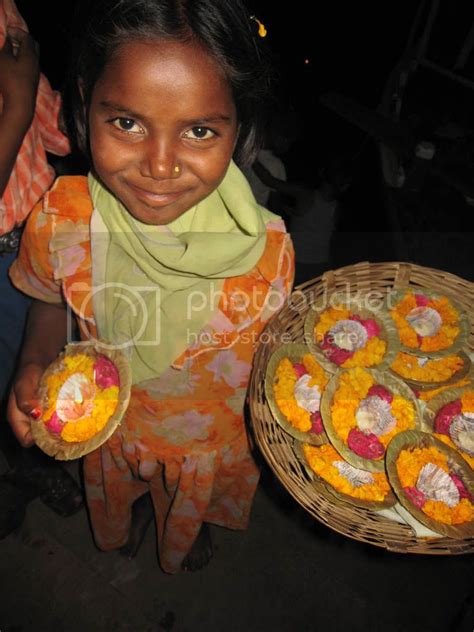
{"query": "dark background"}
pixel 350 48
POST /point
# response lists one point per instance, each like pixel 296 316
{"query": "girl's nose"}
pixel 160 160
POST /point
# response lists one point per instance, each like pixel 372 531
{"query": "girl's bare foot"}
pixel 142 515
pixel 201 551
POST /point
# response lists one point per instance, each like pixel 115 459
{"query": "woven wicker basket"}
pixel 277 447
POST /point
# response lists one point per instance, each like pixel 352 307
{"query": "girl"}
pixel 165 93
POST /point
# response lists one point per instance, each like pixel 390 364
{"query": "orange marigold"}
pixel 284 387
pixel 104 405
pixel 427 395
pixel 443 339
pixel 370 355
pixel 434 370
pixel 321 459
pixel 409 465
pixel 467 401
pixel 448 441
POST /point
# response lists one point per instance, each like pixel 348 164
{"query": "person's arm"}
pixel 19 76
pixel 45 337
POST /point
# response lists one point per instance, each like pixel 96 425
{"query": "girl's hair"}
pixel 223 27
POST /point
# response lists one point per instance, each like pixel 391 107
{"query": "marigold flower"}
pixel 409 464
pixel 284 387
pixel 103 406
pixel 321 459
pixel 354 386
pixel 443 339
pixel 434 370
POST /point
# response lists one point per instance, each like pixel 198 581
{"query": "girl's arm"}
pixel 45 337
pixel 19 75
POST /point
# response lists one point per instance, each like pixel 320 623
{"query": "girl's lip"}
pixel 156 199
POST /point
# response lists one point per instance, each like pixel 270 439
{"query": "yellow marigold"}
pixel 372 353
pixel 435 370
pixel 316 371
pixel 438 510
pixel 445 337
pixel 409 465
pixel 467 401
pixel 354 384
pixel 343 416
pixel 284 386
pixel 404 412
pixel 410 462
pixel 329 318
pixel 427 395
pixel 448 441
pixel 463 512
pixel 79 363
pixel 321 459
pixel 104 407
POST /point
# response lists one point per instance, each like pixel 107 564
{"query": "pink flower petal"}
pixel 445 416
pixel 462 489
pixel 55 424
pixel 367 446
pixel 300 369
pixel 416 496
pixel 333 352
pixel 377 390
pixel 421 301
pixel 317 423
pixel 372 327
pixel 106 373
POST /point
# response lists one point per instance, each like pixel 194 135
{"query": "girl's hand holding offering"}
pixel 23 403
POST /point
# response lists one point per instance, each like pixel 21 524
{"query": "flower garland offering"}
pixel 432 486
pixel 348 340
pixel 366 415
pixel 82 396
pixel 343 477
pixel 427 395
pixel 426 324
pixel 454 424
pixel 422 369
pixel 298 387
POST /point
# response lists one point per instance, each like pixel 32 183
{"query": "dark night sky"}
pixel 351 47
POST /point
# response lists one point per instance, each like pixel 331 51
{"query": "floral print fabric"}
pixel 183 437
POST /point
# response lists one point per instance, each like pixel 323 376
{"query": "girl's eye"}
pixel 199 133
pixel 126 125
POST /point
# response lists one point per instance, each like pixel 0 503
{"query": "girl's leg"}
pixel 142 515
pixel 201 552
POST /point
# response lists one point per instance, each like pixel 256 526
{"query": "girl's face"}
pixel 163 127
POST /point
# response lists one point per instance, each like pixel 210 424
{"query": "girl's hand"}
pixel 23 403
pixel 19 74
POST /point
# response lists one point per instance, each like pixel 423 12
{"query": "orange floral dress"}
pixel 183 438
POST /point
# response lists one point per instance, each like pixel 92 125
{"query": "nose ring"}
pixel 177 170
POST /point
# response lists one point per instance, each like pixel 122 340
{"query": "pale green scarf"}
pixel 155 287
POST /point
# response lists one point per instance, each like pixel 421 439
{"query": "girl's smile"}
pixel 161 153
